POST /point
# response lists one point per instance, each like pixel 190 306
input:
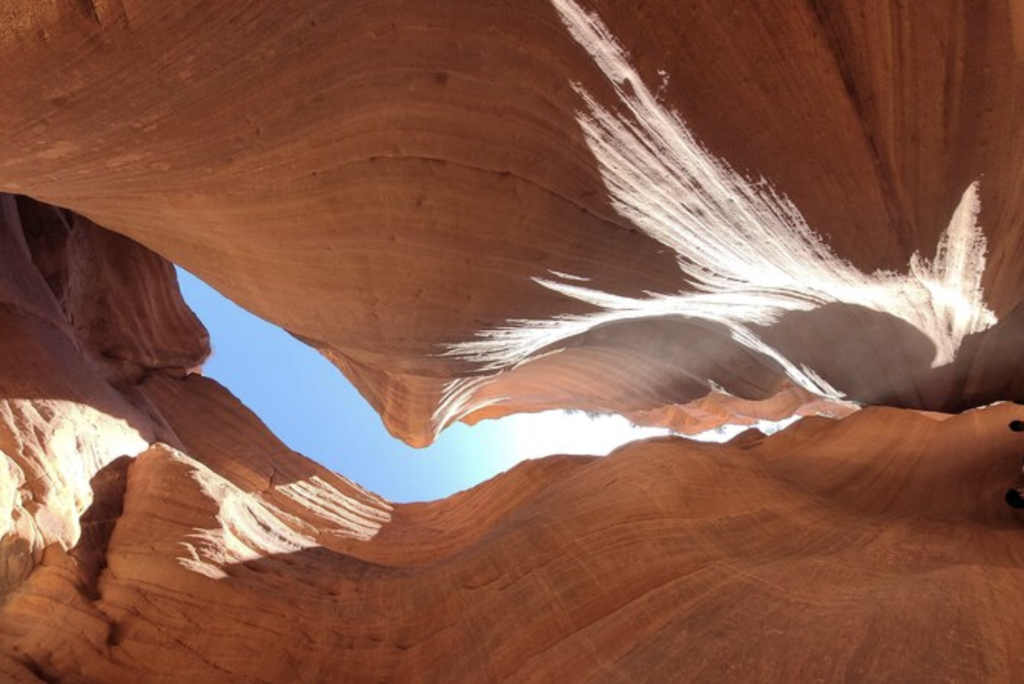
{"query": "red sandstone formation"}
pixel 477 208
pixel 386 184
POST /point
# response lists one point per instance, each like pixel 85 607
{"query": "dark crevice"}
pixel 38 671
pixel 98 522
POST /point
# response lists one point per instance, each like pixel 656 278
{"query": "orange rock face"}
pixel 390 185
pixel 690 213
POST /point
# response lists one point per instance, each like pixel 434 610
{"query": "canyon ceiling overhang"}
pixel 409 186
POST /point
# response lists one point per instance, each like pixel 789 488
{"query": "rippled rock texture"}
pixel 394 182
pixel 690 213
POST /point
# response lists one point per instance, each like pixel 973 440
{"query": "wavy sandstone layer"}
pixel 389 182
pixel 690 213
pixel 878 547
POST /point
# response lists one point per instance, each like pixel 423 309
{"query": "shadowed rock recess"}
pixel 690 213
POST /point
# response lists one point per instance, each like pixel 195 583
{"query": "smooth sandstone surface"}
pixel 387 180
pixel 691 213
pixel 877 547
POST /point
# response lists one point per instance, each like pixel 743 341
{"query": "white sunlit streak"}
pixel 747 252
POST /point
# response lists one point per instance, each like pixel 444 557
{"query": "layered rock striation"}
pixel 692 214
pixel 395 184
pixel 86 315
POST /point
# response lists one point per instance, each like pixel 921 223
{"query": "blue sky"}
pixel 312 407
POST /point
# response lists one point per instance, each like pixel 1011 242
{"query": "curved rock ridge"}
pixel 880 543
pixel 722 409
pixel 394 186
pixel 85 315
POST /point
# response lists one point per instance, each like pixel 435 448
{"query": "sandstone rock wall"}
pixel 474 208
pixel 873 548
pixel 85 315
pixel 386 180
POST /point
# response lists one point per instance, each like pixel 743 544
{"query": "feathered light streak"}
pixel 747 252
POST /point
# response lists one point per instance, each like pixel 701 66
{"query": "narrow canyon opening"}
pixel 312 407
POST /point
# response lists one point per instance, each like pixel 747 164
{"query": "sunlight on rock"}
pixel 536 435
pixel 746 252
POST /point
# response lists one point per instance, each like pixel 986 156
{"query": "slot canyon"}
pixel 690 213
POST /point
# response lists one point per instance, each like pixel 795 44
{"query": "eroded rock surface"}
pixel 873 548
pixel 389 183
pixel 474 208
pixel 86 314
